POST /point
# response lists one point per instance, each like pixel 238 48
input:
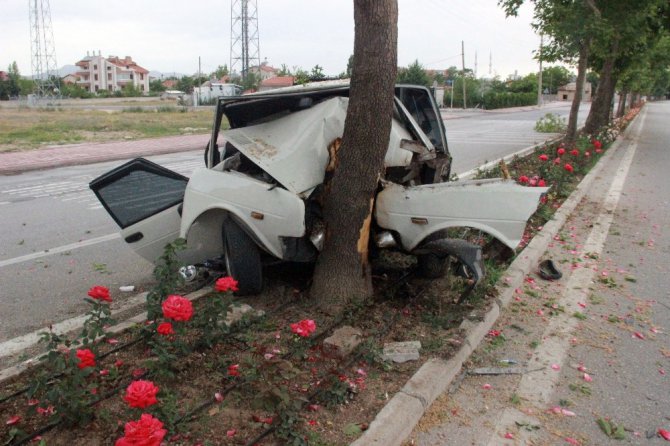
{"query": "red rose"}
pixel 574 152
pixel 100 293
pixel 177 308
pixel 141 394
pixel 543 157
pixel 568 167
pixel 165 329
pixel 86 358
pixel 541 183
pixel 233 370
pixel 523 179
pixel 597 144
pixel 226 284
pixel 560 151
pixel 147 431
pixel 304 328
pixel 557 161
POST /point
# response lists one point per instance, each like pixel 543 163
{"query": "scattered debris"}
pixel 401 351
pixel 127 288
pixel 237 312
pixel 343 341
pixel 498 371
pixel 548 271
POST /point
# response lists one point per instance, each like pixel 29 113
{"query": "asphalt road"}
pixel 57 241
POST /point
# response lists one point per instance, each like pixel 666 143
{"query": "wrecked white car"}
pixel 257 198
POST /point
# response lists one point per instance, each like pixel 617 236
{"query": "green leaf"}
pixel 605 426
pixel 352 429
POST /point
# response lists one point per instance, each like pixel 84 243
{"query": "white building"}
pixel 111 74
pixel 209 91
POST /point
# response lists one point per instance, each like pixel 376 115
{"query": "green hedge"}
pixel 492 100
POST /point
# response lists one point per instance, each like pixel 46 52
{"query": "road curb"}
pixel 396 421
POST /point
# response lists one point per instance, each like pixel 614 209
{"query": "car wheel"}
pixel 243 259
pixel 431 266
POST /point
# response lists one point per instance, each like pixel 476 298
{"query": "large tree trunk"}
pixel 342 270
pixel 601 107
pixel 571 132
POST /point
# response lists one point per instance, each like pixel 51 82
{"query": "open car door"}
pixel 145 200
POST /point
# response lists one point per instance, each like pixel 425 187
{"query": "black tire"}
pixel 242 259
pixel 431 266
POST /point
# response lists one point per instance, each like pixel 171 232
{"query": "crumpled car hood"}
pixel 294 149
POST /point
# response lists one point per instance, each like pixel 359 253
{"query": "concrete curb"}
pixel 396 421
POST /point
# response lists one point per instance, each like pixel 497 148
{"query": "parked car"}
pixel 258 196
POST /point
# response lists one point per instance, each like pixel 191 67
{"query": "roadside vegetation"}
pixel 24 128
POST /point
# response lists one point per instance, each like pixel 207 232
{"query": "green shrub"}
pixel 550 123
pixel 493 100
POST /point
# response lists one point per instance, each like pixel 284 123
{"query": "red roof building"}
pixel 111 73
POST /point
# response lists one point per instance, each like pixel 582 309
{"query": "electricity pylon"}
pixel 43 50
pixel 244 42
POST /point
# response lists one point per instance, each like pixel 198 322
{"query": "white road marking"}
pixel 59 249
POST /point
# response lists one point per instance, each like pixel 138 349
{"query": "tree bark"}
pixel 571 132
pixel 601 107
pixel 342 270
pixel 621 109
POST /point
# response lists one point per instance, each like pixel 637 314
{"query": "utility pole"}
pixel 463 62
pixel 475 64
pixel 43 50
pixel 244 41
pixel 490 62
pixel 539 77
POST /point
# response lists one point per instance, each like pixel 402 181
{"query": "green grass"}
pixel 27 129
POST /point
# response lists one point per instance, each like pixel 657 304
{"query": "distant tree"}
pixel 414 74
pixel 350 65
pixel 301 76
pixel 12 86
pixel 185 84
pixel 317 74
pixel 283 71
pixel 251 81
pixel 526 84
pixel 156 85
pixel 130 90
pixel 75 91
pixel 221 71
pixel 554 77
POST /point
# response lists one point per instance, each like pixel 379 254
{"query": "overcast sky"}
pixel 170 35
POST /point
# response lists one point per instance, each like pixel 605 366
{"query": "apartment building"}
pixel 111 73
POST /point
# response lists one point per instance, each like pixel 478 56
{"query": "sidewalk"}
pixel 551 361
pixel 12 163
